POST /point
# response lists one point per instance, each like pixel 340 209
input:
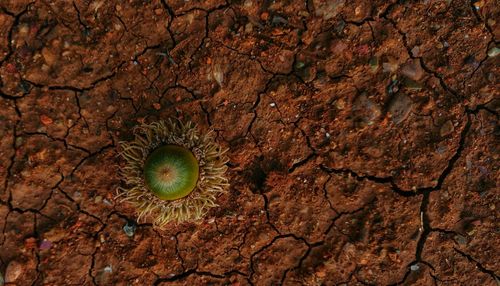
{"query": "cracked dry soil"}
pixel 363 140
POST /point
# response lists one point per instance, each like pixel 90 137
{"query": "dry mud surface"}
pixel 363 140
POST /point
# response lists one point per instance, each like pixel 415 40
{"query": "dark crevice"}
pixel 479 266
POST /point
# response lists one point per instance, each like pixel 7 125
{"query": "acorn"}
pixel 172 172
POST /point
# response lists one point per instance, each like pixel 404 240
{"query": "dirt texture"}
pixel 363 138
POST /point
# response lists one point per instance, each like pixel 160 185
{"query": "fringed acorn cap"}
pixel 172 172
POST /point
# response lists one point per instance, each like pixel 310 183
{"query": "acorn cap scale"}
pixel 171 172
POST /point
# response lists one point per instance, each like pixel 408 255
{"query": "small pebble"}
pixel 279 20
pixel 49 56
pixel 19 141
pixel 299 65
pixel 46 120
pixel 493 52
pixel 390 66
pixel 479 4
pixel 460 239
pixel 413 70
pixel 373 64
pixel 447 128
pixel 13 271
pixel 272 104
pixel 400 107
pixel 45 244
pixel 415 51
pixel 129 228
pixel 414 267
pixel 108 269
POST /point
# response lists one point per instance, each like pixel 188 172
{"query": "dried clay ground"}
pixel 363 140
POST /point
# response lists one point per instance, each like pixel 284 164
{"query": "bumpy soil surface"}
pixel 363 136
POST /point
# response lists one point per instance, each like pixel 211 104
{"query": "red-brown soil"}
pixel 363 136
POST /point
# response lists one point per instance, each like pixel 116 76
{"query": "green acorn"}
pixel 172 172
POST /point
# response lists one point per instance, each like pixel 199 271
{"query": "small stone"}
pixel 19 141
pixel 299 65
pixel 129 228
pixel 46 120
pixel 240 218
pixel 340 104
pixel 412 85
pixel 249 27
pixel 479 4
pixel 493 52
pixel 390 66
pixel 272 104
pixel 48 56
pixel 400 108
pixel 304 14
pixel 413 70
pixel 108 269
pixel 415 51
pixel 13 271
pixel 373 64
pixel 366 110
pixel 460 239
pixel 277 20
pixel 217 74
pixel 414 267
pixel 45 244
pixel 446 129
